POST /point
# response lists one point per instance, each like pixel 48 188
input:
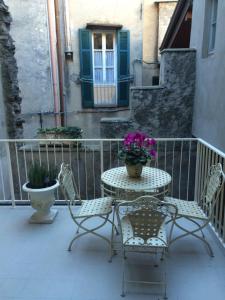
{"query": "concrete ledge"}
pixel 178 50
pixel 150 87
pixel 114 120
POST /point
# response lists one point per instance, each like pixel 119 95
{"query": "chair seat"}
pixel 130 240
pixel 187 208
pixel 99 206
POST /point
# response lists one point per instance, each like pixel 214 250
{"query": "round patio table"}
pixel 152 179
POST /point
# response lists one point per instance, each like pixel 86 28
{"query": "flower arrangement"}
pixel 138 148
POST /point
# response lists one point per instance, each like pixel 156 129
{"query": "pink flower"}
pixel 153 153
pixel 153 142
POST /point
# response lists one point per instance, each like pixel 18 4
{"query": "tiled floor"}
pixel 35 264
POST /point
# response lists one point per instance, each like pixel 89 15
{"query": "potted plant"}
pixel 137 149
pixel 41 187
pixel 60 133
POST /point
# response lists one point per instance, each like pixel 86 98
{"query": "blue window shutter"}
pixel 86 68
pixel 123 67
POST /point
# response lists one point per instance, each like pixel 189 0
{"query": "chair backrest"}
pixel 68 185
pixel 213 185
pixel 147 215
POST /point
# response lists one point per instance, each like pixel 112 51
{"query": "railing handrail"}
pixel 91 140
pixel 213 148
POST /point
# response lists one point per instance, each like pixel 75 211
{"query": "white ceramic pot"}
pixel 42 201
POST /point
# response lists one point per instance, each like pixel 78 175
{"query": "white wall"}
pixel 209 106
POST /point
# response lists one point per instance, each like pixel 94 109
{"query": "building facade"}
pixel 208 25
pixel 78 59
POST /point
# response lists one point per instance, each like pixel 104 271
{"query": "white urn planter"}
pixel 42 201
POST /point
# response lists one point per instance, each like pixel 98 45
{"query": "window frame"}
pixel 210 28
pixel 213 10
pixel 104 67
pixel 104 50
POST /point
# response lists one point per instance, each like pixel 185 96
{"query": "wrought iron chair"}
pixel 83 210
pixel 142 226
pixel 200 212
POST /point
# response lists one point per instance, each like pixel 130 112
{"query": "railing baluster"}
pixel 165 147
pixel 9 164
pixel 93 169
pixel 101 163
pixel 2 178
pixel 85 167
pixel 180 168
pixel 197 173
pixel 189 166
pixel 18 170
pixel 110 154
pixel 78 169
pixel 173 169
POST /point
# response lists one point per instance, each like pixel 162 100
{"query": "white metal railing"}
pixel 187 160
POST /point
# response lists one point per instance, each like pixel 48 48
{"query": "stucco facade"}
pixel 209 104
pixel 142 19
pixel 157 15
pixel 35 37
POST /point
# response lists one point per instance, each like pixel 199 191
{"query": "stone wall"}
pixel 11 99
pixel 166 110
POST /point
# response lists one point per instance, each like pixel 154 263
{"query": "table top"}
pixel 151 178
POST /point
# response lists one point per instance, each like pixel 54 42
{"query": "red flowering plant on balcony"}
pixel 137 148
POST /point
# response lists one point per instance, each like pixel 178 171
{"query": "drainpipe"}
pixel 67 27
pixel 54 60
pixel 60 63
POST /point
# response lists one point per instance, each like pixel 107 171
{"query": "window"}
pixel 213 19
pixel 104 68
pixel 210 27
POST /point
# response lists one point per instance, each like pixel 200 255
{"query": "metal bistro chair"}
pixel 200 212
pixel 101 207
pixel 142 226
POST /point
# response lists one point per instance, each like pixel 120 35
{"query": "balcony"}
pixel 35 263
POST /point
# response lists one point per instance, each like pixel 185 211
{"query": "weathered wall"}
pixel 166 111
pixel 209 107
pixel 30 32
pixel 10 90
pixel 127 13
pixel 156 17
pixel 10 120
pixel 141 18
pixel 166 10
pixel 3 131
pixel 4 191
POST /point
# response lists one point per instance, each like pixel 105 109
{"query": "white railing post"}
pixel 9 163
pixel 101 163
pixel 197 173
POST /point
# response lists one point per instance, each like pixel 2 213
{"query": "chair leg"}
pixel 193 233
pixel 123 278
pixel 86 231
pixel 165 290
